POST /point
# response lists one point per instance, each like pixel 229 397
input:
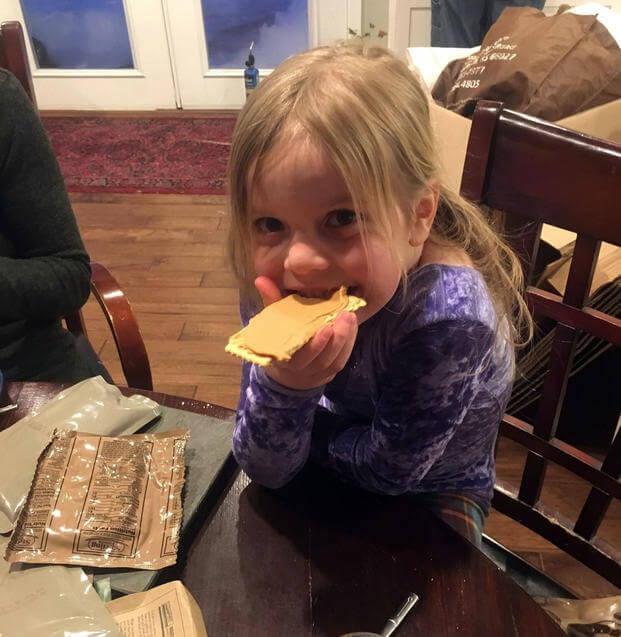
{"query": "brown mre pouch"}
pixel 104 501
pixel 547 66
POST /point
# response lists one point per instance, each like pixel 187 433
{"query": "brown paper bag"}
pixel 547 66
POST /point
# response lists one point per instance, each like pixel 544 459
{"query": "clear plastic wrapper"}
pixel 579 617
pixel 207 455
pixel 104 501
pixel 55 601
pixel 92 405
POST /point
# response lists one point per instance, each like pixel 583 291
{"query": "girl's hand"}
pixel 320 360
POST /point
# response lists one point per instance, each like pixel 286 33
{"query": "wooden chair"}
pixel 537 173
pixel 104 287
pixel 123 325
pixel 14 57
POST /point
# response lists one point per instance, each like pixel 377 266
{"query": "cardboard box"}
pixel 452 133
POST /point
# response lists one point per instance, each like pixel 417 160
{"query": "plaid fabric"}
pixel 458 511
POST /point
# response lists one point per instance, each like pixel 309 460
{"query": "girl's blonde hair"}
pixel 369 113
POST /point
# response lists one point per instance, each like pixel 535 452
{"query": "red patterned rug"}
pixel 142 154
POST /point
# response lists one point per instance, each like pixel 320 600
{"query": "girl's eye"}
pixel 267 225
pixel 341 218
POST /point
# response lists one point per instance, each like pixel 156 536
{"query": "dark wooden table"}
pixel 321 558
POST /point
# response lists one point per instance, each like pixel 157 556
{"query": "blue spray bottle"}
pixel 251 75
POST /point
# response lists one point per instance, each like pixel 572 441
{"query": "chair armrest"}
pixel 124 327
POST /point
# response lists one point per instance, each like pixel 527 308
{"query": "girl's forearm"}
pixel 273 432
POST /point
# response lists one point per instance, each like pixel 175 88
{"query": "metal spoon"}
pixel 393 622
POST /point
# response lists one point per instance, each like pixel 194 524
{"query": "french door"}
pixel 139 74
pixel 165 54
pixel 202 73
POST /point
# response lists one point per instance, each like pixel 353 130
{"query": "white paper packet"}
pixel 165 610
pixel 55 601
pixel 92 405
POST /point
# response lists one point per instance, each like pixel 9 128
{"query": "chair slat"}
pixel 583 262
pixel 612 461
pixel 593 321
pixel 598 502
pixel 555 383
pixel 602 558
pixel 563 454
pixel 592 513
pixel 549 409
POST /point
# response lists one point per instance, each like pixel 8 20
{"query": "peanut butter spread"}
pixel 284 327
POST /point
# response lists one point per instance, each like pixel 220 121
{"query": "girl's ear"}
pixel 424 214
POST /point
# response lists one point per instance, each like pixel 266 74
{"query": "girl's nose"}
pixel 304 258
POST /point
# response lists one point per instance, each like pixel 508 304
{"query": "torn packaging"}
pixel 104 501
pixel 282 328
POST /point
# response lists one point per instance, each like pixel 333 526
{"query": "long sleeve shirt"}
pixel 416 409
pixel 44 268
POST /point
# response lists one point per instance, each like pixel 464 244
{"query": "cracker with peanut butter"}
pixel 282 328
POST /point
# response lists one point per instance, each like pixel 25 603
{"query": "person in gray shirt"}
pixel 44 268
pixel 464 23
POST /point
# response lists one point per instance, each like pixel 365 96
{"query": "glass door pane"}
pixel 209 41
pixel 278 28
pixel 78 34
pixel 96 54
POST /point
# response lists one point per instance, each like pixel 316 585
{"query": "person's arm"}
pixel 273 430
pixel 429 388
pixel 272 436
pixel 46 274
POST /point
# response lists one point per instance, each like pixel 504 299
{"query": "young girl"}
pixel 333 181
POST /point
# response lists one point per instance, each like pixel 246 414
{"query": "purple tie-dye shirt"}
pixel 415 410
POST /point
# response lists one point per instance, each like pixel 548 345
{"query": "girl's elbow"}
pixel 266 474
pixel 270 481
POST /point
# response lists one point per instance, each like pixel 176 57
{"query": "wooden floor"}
pixel 168 253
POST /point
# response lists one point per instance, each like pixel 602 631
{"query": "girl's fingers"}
pixel 321 358
pixel 268 290
pixel 345 331
pixel 322 350
pixel 314 348
pixel 342 357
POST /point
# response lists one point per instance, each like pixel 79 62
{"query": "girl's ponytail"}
pixel 461 223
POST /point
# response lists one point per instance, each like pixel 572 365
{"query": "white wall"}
pixel 375 12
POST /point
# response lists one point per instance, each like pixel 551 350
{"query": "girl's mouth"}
pixel 316 293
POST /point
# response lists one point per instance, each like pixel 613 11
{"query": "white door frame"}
pixel 198 85
pixel 401 13
pixel 148 86
pixel 170 57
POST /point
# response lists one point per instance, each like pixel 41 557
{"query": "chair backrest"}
pixel 536 173
pixel 14 56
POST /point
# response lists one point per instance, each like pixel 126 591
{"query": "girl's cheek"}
pixel 355 262
pixel 267 262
